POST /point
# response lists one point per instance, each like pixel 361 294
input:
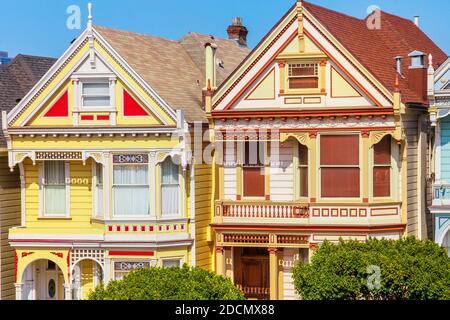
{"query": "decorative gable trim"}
pixel 380 95
pixel 65 59
pixel 60 108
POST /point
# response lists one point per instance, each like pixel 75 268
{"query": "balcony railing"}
pixel 262 210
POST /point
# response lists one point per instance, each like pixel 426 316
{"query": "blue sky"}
pixel 38 27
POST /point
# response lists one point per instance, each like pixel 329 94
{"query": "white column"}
pixel 107 277
pixel 68 291
pixel 19 291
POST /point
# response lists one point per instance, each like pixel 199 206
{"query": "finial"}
pixel 430 60
pixel 89 25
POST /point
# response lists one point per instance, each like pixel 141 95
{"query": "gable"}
pixel 342 81
pixel 442 82
pixel 91 86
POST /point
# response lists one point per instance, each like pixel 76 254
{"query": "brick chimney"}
pixel 238 32
pixel 418 74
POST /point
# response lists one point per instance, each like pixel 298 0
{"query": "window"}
pixel 54 186
pixel 131 190
pixel 303 170
pixel 382 168
pixel 339 166
pixel 96 95
pixel 171 263
pixel 98 189
pixel 170 188
pixel 303 76
pixel 253 169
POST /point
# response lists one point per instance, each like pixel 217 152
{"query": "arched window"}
pixel 170 188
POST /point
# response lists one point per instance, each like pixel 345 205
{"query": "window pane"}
pixel 98 89
pixel 131 190
pixel 96 101
pixel 131 201
pixel 340 182
pixel 99 200
pixel 170 199
pixel 99 173
pixel 171 263
pixel 382 151
pixel 254 182
pixel 305 69
pixel 381 181
pixel 304 182
pixel 254 153
pixel 55 200
pixel 303 155
pixel 339 150
pixel 130 175
pixel 55 172
pixel 304 83
pixel 169 172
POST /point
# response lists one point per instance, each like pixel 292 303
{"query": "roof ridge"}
pixel 136 33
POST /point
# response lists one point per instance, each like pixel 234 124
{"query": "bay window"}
pixel 131 189
pixel 382 168
pixel 55 189
pixel 339 166
pixel 170 188
pixel 253 169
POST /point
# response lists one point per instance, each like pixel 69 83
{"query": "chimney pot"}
pixel 417 21
pixel 238 32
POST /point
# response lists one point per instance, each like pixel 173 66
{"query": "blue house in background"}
pixel 439 96
pixel 4 59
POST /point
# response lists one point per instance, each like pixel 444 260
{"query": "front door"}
pixel 51 276
pixel 255 275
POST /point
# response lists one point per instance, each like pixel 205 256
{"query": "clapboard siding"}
pixel 288 281
pixel 9 217
pixel 410 123
pixel 203 187
pixel 282 173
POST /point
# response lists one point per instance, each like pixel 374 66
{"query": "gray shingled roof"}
pixel 175 69
pixel 17 78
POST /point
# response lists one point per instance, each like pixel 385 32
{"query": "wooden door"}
pixel 255 278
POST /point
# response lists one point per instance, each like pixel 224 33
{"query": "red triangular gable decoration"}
pixel 131 108
pixel 60 108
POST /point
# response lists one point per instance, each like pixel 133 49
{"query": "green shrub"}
pixel 409 270
pixel 169 284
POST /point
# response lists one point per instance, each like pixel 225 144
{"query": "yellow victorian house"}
pixel 108 180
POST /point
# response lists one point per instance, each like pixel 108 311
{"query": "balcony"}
pixel 304 214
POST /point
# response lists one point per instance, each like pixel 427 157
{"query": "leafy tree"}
pixel 406 269
pixel 169 284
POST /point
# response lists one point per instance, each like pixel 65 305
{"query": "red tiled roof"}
pixel 376 49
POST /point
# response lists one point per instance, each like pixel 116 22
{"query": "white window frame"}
pixel 316 67
pixel 79 80
pixel 42 213
pixel 180 188
pixel 95 201
pixel 181 260
pixel 150 185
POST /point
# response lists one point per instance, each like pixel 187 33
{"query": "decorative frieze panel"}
pixel 246 238
pixel 140 229
pixel 290 239
pixel 67 155
pixel 78 255
pixel 130 158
